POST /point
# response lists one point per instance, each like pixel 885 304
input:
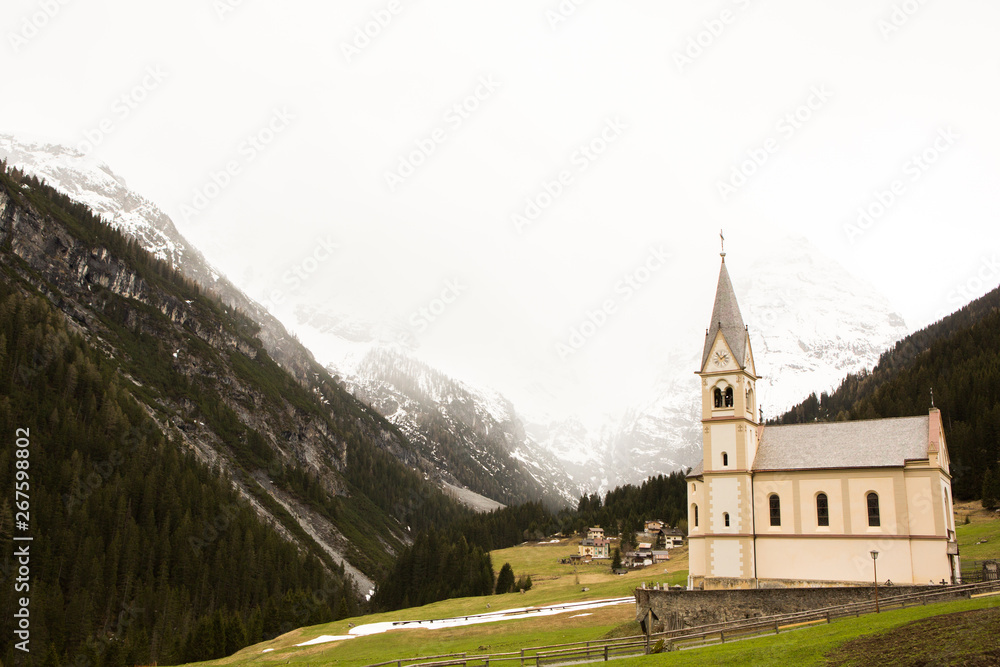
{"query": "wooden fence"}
pixel 682 638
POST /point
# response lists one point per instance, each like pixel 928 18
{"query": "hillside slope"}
pixel 473 439
pixel 528 473
pixel 321 471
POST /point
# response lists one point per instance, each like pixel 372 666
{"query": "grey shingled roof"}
pixel 726 315
pixel 874 443
pixel 698 470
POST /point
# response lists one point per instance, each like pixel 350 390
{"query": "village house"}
pixel 661 536
pixel 671 538
pixel 595 548
pixel 595 532
pixel 810 504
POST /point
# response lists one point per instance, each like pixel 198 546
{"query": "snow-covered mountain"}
pixel 471 437
pixel 91 182
pixel 810 324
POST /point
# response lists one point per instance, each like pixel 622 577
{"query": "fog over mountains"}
pixel 810 324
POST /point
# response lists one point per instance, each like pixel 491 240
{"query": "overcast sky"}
pixel 520 159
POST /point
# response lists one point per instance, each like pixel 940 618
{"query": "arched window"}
pixel 775 506
pixel 749 405
pixel 695 508
pixel 725 518
pixel 718 397
pixel 873 514
pixel 729 397
pixel 822 510
pixel 725 459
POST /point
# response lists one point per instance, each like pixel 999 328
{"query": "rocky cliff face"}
pixel 811 323
pixel 526 472
pixel 471 438
pixel 113 301
pixel 95 185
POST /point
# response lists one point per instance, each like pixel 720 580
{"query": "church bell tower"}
pixel 721 521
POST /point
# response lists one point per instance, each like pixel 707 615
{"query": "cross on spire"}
pixel 723 240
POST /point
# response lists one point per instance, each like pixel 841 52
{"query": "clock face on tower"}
pixel 721 358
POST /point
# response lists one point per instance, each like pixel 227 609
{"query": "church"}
pixel 808 504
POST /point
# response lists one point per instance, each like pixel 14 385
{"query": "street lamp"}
pixel 874 554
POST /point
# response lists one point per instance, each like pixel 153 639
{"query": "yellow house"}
pixel 806 504
pixel 595 548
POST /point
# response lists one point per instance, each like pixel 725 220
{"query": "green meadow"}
pixel 842 642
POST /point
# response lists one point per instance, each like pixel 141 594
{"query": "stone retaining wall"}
pixel 678 608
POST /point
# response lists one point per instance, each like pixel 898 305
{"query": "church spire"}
pixel 726 318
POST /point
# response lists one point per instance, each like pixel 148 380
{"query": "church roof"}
pixel 873 443
pixel 727 318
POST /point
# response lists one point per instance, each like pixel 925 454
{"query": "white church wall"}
pixel 726 558
pixel 725 498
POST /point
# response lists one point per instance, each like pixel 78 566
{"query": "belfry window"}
pixel 725 460
pixel 874 519
pixel 718 397
pixel 695 508
pixel 729 397
pixel 725 518
pixel 775 506
pixel 822 510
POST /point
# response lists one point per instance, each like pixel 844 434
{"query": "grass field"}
pixel 983 525
pixel 555 582
pixel 816 645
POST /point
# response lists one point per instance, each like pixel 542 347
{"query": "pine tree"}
pixel 505 580
pixel 991 489
pixel 616 560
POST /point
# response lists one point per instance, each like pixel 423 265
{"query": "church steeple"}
pixel 726 318
pixel 721 514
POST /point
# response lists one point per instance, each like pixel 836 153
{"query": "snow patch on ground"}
pixel 459 621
